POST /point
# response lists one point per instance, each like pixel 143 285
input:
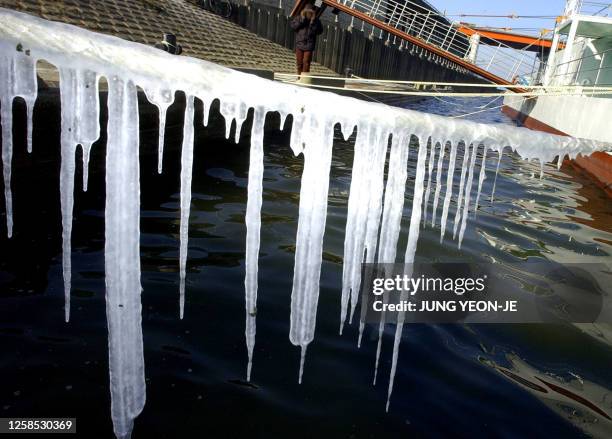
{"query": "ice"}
pixel 430 168
pixel 253 226
pixel 482 175
pixel 186 170
pixel 461 194
pixel 499 159
pixel 392 215
pixel 80 115
pixel 17 79
pixel 413 236
pixel 162 98
pixel 364 205
pixel 468 192
pixel 438 183
pixel 84 57
pixel 122 257
pixel 449 188
pixel 318 139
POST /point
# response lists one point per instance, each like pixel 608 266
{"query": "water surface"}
pixel 452 380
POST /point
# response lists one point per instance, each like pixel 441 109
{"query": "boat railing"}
pixel 600 9
pixel 592 70
pixel 437 30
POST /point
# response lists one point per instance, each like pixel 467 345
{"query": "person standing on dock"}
pixel 306 26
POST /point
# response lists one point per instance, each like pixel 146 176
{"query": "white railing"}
pixel 432 28
pixel 600 9
pixel 589 71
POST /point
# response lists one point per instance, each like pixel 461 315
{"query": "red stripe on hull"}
pixel 598 164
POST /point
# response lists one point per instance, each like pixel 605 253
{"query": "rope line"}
pixel 456 84
pixel 597 91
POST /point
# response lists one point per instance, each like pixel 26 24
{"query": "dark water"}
pixel 452 380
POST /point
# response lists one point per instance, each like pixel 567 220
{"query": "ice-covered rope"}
pixel 597 91
pixel 449 84
pixel 84 57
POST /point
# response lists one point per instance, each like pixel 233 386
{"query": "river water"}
pixel 453 380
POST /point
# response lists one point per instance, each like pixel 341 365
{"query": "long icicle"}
pixel 392 218
pixel 464 166
pixel 122 258
pixel 499 159
pixel 450 173
pixel 68 96
pixel 253 226
pixel 356 218
pixel 438 182
pixel 482 175
pixel 6 119
pixel 17 79
pixel 468 193
pixel 413 236
pixel 318 139
pixel 186 171
pixel 375 190
pixel 430 168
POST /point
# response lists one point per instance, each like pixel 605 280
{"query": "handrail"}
pixel 500 59
pixel 403 32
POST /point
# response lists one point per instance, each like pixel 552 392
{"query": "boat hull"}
pixel 577 116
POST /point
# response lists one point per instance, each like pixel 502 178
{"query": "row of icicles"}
pixel 375 206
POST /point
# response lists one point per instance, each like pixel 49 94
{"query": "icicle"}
pixel 68 94
pixel 413 236
pixel 363 210
pixel 482 176
pixel 450 173
pixel 468 192
pixel 318 136
pixel 80 111
pixel 355 229
pixel 30 126
pixel 17 79
pixel 253 226
pixel 122 258
pixel 283 118
pixel 302 361
pixel 392 216
pixel 233 110
pixel 186 169
pixel 438 182
pixel 501 153
pixel 430 168
pixel 87 121
pixel 162 98
pixel 375 197
pixel 6 119
pixel 460 195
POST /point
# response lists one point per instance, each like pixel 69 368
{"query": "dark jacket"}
pixel 306 32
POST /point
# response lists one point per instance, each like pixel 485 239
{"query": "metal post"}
pixel 446 36
pixel 401 14
pixel 603 56
pixel 432 29
pixel 451 40
pixel 424 23
pixel 411 23
pixel 494 53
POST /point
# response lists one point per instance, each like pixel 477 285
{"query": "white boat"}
pixel 581 58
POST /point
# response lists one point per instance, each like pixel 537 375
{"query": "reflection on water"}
pixel 452 380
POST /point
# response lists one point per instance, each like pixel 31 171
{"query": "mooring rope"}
pixel 590 91
pixel 451 84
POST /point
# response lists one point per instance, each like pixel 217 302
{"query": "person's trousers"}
pixel 303 59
